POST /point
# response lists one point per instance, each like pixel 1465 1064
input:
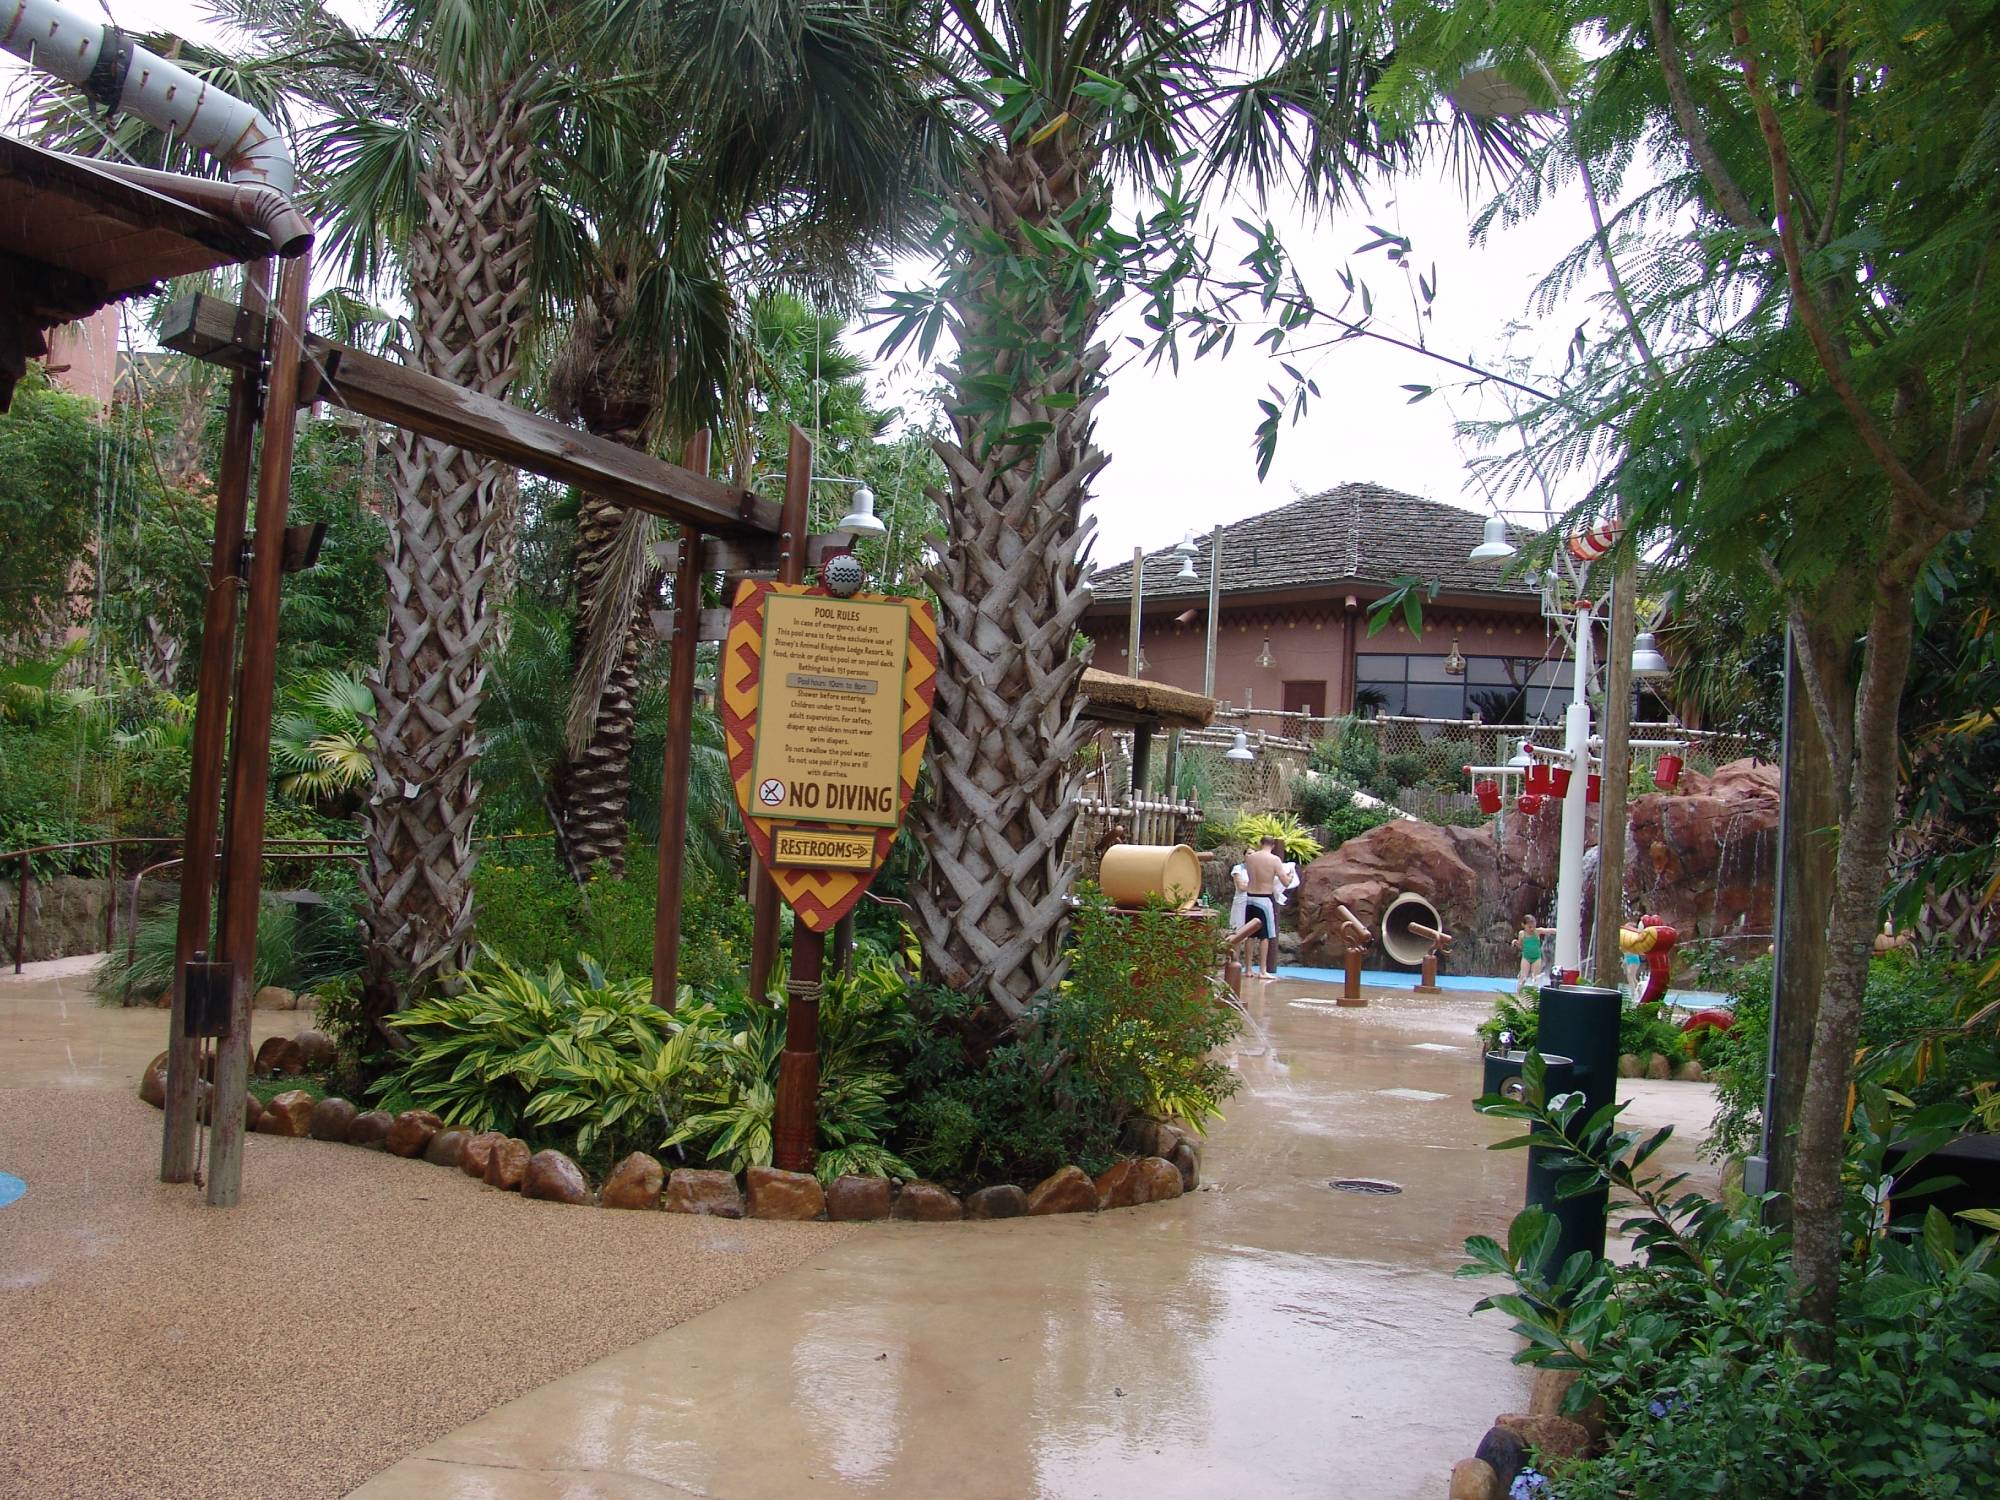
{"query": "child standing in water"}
pixel 1529 941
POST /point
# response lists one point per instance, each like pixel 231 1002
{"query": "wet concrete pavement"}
pixel 54 1034
pixel 1264 1337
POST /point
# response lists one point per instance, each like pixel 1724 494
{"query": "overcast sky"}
pixel 1180 444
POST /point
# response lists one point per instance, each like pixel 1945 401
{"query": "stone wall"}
pixel 65 914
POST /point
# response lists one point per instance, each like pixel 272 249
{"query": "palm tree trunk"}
pixel 469 290
pixel 1010 588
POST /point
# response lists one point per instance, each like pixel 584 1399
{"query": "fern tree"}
pixel 1820 411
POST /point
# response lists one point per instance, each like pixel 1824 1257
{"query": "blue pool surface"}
pixel 1389 979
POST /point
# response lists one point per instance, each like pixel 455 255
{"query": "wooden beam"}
pixel 711 625
pixel 210 329
pixel 678 754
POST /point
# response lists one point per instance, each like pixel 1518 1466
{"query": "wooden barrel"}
pixel 1129 873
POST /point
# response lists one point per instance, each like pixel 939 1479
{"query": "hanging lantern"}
pixel 1454 664
pixel 1559 787
pixel 1667 772
pixel 1529 803
pixel 1488 793
pixel 1593 789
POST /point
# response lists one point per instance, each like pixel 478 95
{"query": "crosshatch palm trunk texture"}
pixel 991 907
pixel 468 286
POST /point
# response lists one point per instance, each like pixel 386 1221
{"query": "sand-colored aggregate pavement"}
pixel 352 1309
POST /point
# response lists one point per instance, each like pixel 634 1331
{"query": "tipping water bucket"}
pixel 1130 873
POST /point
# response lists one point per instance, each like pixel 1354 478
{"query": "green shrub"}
pixel 1692 1349
pixel 298 948
pixel 1254 828
pixel 1405 768
pixel 1351 753
pixel 1642 1029
pixel 1907 999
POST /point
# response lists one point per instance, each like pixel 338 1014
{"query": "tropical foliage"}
pixel 1254 828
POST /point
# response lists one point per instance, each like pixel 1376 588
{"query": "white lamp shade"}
pixel 862 517
pixel 1241 749
pixel 1496 545
pixel 1187 573
pixel 1521 758
pixel 1647 660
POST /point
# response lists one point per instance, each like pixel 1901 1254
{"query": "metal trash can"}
pixel 1579 1021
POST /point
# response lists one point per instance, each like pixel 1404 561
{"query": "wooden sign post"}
pixel 826 704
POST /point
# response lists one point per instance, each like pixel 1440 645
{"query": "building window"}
pixel 1495 689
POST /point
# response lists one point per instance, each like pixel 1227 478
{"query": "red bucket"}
pixel 1593 788
pixel 1488 793
pixel 1530 803
pixel 1538 778
pixel 1667 772
pixel 1559 787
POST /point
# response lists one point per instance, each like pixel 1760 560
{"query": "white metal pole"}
pixel 1576 748
pixel 1214 605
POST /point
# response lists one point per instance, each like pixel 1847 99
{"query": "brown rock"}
pixel 279 1054
pixel 1657 1066
pixel 1474 1479
pixel 446 1148
pixel 412 1131
pixel 272 997
pixel 927 1203
pixel 316 1047
pixel 289 1114
pixel 634 1183
pixel 1121 1184
pixel 1366 873
pixel 331 1119
pixel 1504 1451
pixel 851 1198
pixel 1631 1065
pixel 1555 1440
pixel 1067 1190
pixel 1186 1158
pixel 716 1194
pixel 773 1194
pixel 1001 1201
pixel 507 1164
pixel 553 1178
pixel 1552 1389
pixel 477 1151
pixel 1159 1180
pixel 1690 1072
pixel 253 1111
pixel 370 1129
pixel 153 1082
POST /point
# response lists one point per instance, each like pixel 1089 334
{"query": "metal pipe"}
pixel 256 204
pixel 117 73
pixel 1569 867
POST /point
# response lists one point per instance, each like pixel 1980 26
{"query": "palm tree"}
pixel 797 160
pixel 1060 102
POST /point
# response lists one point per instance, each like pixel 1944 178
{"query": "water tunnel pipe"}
pixel 117 73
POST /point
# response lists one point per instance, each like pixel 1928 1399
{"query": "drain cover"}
pixel 1362 1185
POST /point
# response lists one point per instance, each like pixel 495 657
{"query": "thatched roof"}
pixel 1112 699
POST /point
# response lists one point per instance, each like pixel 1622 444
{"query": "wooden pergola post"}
pixel 250 757
pixel 214 677
pixel 679 752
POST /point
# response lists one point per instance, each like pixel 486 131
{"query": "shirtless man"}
pixel 1265 866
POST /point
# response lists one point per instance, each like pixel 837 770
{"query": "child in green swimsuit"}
pixel 1529 941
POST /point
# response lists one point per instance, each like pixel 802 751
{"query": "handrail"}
pixel 26 875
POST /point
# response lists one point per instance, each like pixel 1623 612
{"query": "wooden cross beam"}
pixel 217 331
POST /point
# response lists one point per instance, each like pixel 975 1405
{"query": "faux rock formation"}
pixel 446 1147
pixel 690 1191
pixel 1658 1068
pixel 279 1054
pixel 477 1152
pixel 1690 1072
pixel 1631 1065
pixel 783 1195
pixel 553 1178
pixel 331 1119
pixel 927 1203
pixel 1554 1440
pixel 288 1114
pixel 1552 1389
pixel 1474 1479
pixel 507 1163
pixel 1186 1158
pixel 370 1130
pixel 411 1132
pixel 1003 1201
pixel 1503 1451
pixel 852 1198
pixel 273 997
pixel 1067 1190
pixel 634 1183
